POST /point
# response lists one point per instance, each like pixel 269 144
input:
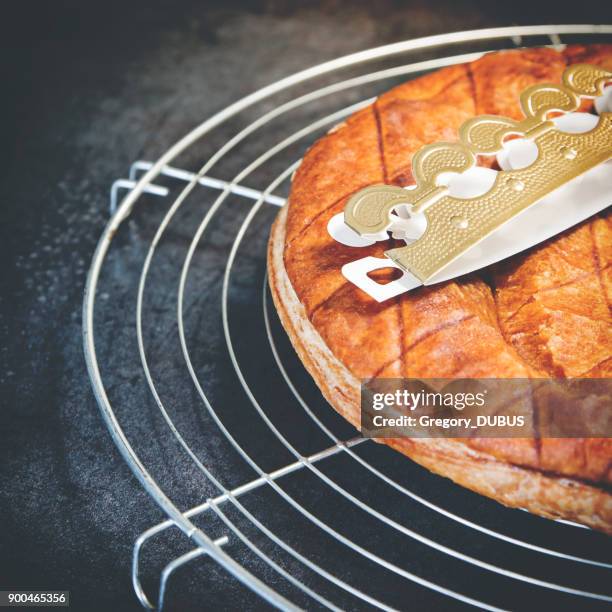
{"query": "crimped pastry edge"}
pixel 517 487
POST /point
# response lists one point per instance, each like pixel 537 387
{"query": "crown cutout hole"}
pixel 472 183
pixel 383 276
pixel 361 273
pixel 576 123
pixel 407 226
pixel 460 222
pixel 517 154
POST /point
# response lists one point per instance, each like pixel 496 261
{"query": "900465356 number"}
pixel 19 598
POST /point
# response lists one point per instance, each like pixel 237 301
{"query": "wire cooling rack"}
pixel 214 414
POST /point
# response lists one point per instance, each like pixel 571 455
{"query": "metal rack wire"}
pixel 436 545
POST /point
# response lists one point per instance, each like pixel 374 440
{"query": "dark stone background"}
pixel 87 88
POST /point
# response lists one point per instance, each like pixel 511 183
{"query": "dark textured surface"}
pixel 87 90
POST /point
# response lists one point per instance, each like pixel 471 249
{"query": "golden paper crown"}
pixel 456 224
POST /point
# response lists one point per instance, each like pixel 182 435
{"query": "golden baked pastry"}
pixel 543 313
